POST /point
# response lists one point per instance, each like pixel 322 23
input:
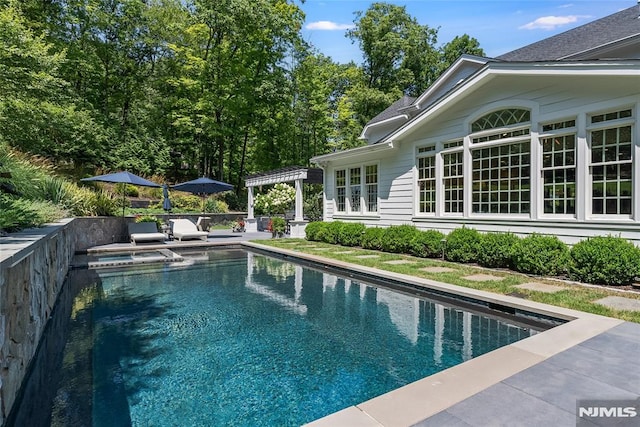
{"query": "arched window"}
pixel 500 119
pixel 501 162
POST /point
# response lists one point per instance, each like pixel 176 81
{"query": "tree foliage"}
pixel 181 88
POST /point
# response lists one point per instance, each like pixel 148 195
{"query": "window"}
pixel 371 187
pixel 500 170
pixel 611 166
pixel 354 189
pixel 501 179
pixel 427 180
pixel 341 190
pixel 501 118
pixel 453 182
pixel 559 170
pixel 350 187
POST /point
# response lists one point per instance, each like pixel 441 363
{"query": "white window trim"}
pixel 611 124
pixel 363 212
pixel 437 178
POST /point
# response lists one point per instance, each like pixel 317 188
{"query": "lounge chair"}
pixel 185 229
pixel 145 232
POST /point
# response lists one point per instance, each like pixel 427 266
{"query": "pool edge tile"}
pixel 348 417
pixel 421 399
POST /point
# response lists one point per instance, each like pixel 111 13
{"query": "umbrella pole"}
pixel 123 199
pixel 203 196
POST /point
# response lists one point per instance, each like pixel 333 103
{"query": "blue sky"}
pixel 499 25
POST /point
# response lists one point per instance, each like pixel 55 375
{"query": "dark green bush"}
pixel 541 255
pixel 426 244
pixel 313 229
pixel 496 249
pixel 333 231
pixel 397 238
pixel 605 260
pixel 372 238
pixel 463 245
pixel 350 234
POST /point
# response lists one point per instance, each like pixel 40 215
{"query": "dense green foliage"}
pixel 426 244
pixel 497 249
pixel 181 89
pixel 372 238
pixel 463 245
pixel 397 238
pixel 540 255
pixel 350 234
pixel 605 260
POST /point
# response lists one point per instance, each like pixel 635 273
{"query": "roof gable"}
pixel 590 41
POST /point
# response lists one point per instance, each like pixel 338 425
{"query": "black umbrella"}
pixel 122 178
pixel 203 186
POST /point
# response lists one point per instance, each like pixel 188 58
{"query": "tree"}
pixel 460 45
pixel 399 53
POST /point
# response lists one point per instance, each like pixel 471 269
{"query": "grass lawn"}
pixel 573 296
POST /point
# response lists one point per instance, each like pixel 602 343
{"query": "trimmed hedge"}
pixel 496 250
pixel 397 238
pixel 350 234
pixel 541 255
pixel 605 260
pixel 463 245
pixel 426 244
pixel 372 238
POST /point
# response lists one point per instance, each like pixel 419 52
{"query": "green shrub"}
pixel 541 255
pixel 496 249
pixel 278 225
pixel 350 234
pixel 605 260
pixel 463 245
pixel 324 234
pixel 372 238
pixel 150 218
pixel 332 232
pixel 397 238
pixel 19 213
pixel 314 230
pixel 187 202
pixel 216 206
pixel 103 204
pixel 130 190
pixel 426 244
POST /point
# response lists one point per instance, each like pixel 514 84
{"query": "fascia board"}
pixel 326 158
pixel 363 135
pixel 495 69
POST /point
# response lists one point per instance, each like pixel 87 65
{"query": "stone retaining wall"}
pixel 33 266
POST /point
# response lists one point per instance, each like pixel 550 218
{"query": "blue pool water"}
pixel 242 339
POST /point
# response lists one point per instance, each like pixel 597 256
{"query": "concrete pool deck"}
pixel 535 381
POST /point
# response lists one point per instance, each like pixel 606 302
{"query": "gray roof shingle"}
pixel 612 28
pixel 393 110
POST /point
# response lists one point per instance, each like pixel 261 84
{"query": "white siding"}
pixel 549 98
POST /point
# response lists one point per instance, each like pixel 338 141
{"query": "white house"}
pixel 542 139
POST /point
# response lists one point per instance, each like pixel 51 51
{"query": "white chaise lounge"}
pixel 184 229
pixel 145 232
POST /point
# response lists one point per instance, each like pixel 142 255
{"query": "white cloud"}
pixel 564 6
pixel 551 22
pixel 328 26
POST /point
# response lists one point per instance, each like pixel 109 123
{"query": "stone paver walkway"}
pixel 438 269
pixel 482 277
pixel 620 303
pixel 540 287
pixel 546 394
pixel 399 262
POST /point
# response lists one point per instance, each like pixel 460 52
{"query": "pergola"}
pixel 299 175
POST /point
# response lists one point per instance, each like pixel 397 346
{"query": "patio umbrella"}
pixel 122 178
pixel 166 203
pixel 203 186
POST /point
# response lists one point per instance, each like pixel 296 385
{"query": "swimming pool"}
pixel 231 337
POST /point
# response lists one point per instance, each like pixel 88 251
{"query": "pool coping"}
pixel 426 397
